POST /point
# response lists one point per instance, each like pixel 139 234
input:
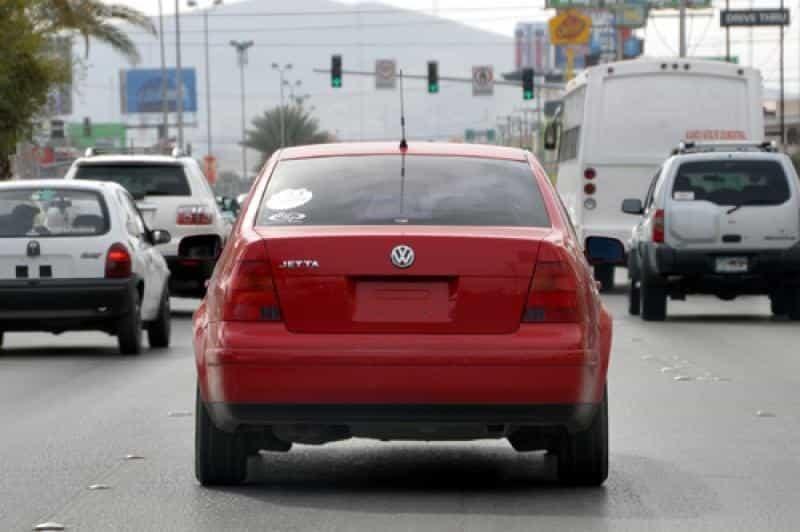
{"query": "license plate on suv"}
pixel 731 265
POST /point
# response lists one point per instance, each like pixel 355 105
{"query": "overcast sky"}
pixel 704 34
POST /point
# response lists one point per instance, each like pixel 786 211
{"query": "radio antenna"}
pixel 403 142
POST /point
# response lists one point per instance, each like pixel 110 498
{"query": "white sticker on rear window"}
pixel 683 195
pixel 288 217
pixel 289 198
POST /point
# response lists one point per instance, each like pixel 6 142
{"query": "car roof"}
pixel 737 155
pixel 96 186
pixel 444 149
pixel 130 159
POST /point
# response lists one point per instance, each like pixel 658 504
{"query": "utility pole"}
pixel 682 27
pixel 282 70
pixel 193 3
pixel 783 99
pixel 164 104
pixel 241 51
pixel 178 81
pixel 727 35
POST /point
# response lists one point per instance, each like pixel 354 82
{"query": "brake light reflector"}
pixel 590 173
pixel 553 296
pixel 589 188
pixel 251 294
pixel 194 215
pixel 118 262
pixel 658 226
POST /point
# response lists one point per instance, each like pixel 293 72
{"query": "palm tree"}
pixel 301 128
pixel 92 19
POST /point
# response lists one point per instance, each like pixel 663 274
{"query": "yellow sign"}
pixel 570 27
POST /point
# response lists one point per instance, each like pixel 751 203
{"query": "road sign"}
pixel 385 74
pixel 631 16
pixel 753 17
pixel 482 81
pixel 570 27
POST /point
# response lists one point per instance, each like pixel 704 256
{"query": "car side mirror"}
pixel 601 250
pixel 551 136
pixel 159 236
pixel 632 206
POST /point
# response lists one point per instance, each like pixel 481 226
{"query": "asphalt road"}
pixel 689 451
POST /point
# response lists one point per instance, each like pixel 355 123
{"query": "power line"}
pixel 355 12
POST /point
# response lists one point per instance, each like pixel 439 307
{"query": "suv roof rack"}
pixel 722 146
pixel 93 151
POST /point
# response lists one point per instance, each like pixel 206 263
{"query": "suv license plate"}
pixel 731 265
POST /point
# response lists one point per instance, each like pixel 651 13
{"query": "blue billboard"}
pixel 142 90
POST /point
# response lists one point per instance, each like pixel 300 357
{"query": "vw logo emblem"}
pixel 402 256
pixel 33 249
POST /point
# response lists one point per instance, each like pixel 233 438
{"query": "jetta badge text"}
pixel 33 249
pixel 298 263
pixel 402 256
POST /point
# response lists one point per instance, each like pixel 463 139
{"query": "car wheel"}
pixel 604 273
pixel 220 458
pixel 158 332
pixel 634 298
pixel 1 339
pixel 779 304
pixel 129 329
pixel 583 455
pixel 653 300
pixel 793 304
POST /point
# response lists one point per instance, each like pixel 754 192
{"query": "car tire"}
pixel 1 339
pixel 779 304
pixel 583 455
pixel 158 332
pixel 634 298
pixel 793 304
pixel 220 458
pixel 653 301
pixel 129 329
pixel 604 274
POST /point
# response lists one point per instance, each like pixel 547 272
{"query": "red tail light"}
pixel 118 262
pixel 658 226
pixel 194 215
pixel 553 297
pixel 250 294
pixel 590 173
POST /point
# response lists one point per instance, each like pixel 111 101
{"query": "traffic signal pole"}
pixel 456 79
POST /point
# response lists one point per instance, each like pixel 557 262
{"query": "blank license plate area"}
pixel 731 265
pixel 402 302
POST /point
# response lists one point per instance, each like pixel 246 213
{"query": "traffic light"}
pixel 433 77
pixel 87 126
pixel 336 71
pixel 527 84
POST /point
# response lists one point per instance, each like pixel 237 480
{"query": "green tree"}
pixel 301 129
pixel 28 70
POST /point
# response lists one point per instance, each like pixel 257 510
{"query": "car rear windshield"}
pixel 51 212
pixel 140 179
pixel 732 182
pixel 391 189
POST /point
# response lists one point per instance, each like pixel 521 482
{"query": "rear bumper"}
pixel 55 305
pixel 537 376
pixel 766 268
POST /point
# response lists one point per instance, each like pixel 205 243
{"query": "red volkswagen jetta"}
pixel 434 292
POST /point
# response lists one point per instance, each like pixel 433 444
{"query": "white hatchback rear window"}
pixel 51 212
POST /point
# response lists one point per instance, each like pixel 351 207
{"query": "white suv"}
pixel 721 219
pixel 79 256
pixel 172 193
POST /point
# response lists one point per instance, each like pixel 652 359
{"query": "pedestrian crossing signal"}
pixel 336 71
pixel 527 84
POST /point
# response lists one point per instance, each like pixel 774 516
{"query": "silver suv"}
pixel 721 219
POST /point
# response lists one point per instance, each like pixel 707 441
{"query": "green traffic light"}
pixel 336 82
pixel 433 88
pixel 527 95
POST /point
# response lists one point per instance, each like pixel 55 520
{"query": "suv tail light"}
pixel 658 226
pixel 553 297
pixel 118 262
pixel 194 215
pixel 250 294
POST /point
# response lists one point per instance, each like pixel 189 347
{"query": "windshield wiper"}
pixel 747 204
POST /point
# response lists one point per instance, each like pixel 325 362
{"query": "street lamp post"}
pixel 164 108
pixel 178 81
pixel 193 3
pixel 282 71
pixel 241 51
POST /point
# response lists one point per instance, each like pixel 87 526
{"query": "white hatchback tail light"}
pixel 194 215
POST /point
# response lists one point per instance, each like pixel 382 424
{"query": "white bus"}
pixel 619 121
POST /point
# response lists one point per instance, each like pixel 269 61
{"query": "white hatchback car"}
pixel 720 219
pixel 77 255
pixel 173 194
